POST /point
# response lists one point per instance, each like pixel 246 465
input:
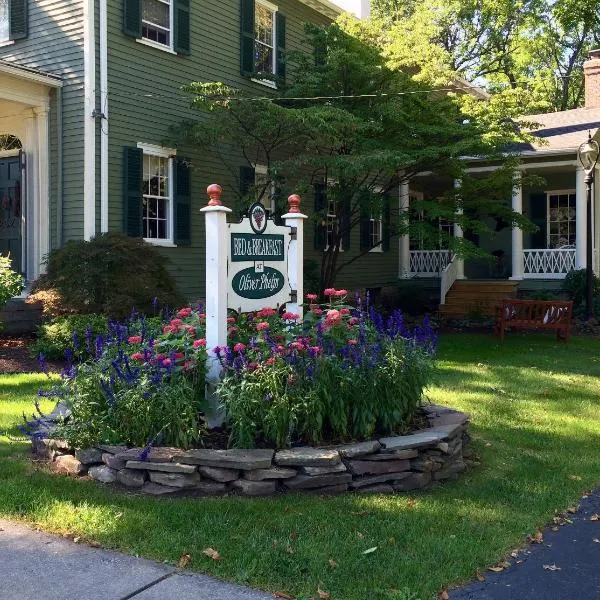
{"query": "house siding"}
pixel 145 101
pixel 55 45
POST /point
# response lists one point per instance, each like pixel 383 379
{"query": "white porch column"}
pixel 518 266
pixel 580 219
pixel 294 218
pixel 216 292
pixel 30 195
pixel 42 215
pixel 404 240
pixel 458 233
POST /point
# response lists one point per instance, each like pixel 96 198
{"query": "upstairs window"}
pixel 264 48
pixel 13 20
pixel 4 26
pixel 156 21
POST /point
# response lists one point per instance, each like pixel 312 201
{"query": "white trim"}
pixel 6 43
pixel 156 45
pixel 272 7
pixel 162 243
pixel 329 9
pixel 89 122
pixel 104 120
pixel 9 153
pixel 265 82
pixel 157 150
pixel 30 74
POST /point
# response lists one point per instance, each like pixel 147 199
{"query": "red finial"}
pixel 214 192
pixel 294 203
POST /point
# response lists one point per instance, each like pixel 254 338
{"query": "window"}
pixel 376 234
pixel 332 224
pixel 421 238
pixel 157 194
pixel 264 41
pixel 4 23
pixel 267 198
pixel 156 21
pixel 561 218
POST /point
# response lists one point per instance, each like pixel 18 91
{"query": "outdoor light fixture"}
pixel 588 157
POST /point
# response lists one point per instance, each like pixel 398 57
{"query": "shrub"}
pixel 106 275
pixel 575 286
pixel 11 283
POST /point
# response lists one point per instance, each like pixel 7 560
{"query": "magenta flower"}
pixel 199 343
pixel 289 316
pixel 262 326
pixel 311 297
pixel 135 339
pixel 239 347
pixel 330 292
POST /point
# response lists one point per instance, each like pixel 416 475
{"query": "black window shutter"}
pixel 132 18
pixel 17 19
pixel 246 179
pixel 181 25
pixel 280 46
pixel 247 37
pixel 386 225
pixel 537 215
pixel 182 212
pixel 133 160
pixel 320 236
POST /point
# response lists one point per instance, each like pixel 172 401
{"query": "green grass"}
pixel 535 410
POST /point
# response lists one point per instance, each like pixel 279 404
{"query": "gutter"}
pixel 103 109
pixel 59 167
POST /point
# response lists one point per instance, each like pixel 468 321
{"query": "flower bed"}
pixel 384 465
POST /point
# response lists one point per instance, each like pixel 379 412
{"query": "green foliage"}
pixel 575 285
pixel 110 274
pixel 70 331
pixel 11 283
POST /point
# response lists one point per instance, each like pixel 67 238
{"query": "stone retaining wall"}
pixel 386 465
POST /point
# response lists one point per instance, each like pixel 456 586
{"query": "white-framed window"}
pixel 265 52
pixel 157 22
pixel 157 194
pixel 332 224
pixel 267 198
pixel 445 227
pixel 4 22
pixel 376 233
pixel 560 215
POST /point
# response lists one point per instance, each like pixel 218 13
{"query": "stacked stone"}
pixel 390 464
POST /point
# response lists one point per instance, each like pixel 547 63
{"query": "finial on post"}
pixel 214 192
pixel 294 203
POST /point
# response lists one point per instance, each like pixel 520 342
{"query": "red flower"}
pixel 352 342
pixel 317 312
pixel 266 312
pixel 330 292
pixel 345 311
pixel 167 362
pixel 340 293
pixel 296 346
pixel 270 361
pixel 199 343
pixel 137 356
pixel 262 326
pixel 191 330
pixel 167 329
pixel 230 320
pixel 179 355
pixel 176 322
pixel 135 339
pixel 202 316
pixel 311 296
pixel 353 321
pixel 184 312
pixel 188 365
pixel 289 316
pixel 333 316
pixel 239 347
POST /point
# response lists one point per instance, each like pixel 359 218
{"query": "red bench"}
pixel 535 314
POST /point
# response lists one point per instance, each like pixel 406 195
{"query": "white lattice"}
pixel 449 276
pixel 551 263
pixel 429 262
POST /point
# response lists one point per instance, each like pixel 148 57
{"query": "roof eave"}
pixel 30 74
pixel 324 7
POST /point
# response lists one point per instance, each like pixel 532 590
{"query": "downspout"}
pixel 59 167
pixel 103 117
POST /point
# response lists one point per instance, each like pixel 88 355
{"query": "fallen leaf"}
pixel 212 553
pixel 323 595
pixel 370 550
pixel 332 563
pixel 575 477
pixel 488 444
pixel 118 515
pixel 595 517
pixel 94 544
pixel 573 509
pixel 443 595
pixel 289 549
pixel 282 595
pixel 184 561
pixel 536 538
pixel 76 539
pixel 552 567
pixel 479 576
pixel 360 535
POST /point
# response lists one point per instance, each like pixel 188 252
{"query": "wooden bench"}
pixel 535 314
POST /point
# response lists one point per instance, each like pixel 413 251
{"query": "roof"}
pixel 563 130
pixel 28 73
pixel 329 9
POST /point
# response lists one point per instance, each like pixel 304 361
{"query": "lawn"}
pixel 535 409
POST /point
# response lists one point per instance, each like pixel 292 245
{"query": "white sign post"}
pixel 250 265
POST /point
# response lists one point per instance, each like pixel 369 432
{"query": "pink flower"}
pixel 317 312
pixel 341 293
pixel 266 312
pixel 179 355
pixel 316 349
pixel 137 356
pixel 239 347
pixel 345 311
pixel 202 316
pixel 167 362
pixel 167 329
pixel 252 366
pixel 311 297
pixel 199 343
pixel 352 342
pixel 270 361
pixel 330 292
pixel 353 321
pixel 184 312
pixel 188 365
pixel 288 316
pixel 189 329
pixel 230 319
pixel 262 326
pixel 296 346
pixel 176 322
pixel 232 331
pixel 135 339
pixel 160 357
pixel 333 316
pixel 280 348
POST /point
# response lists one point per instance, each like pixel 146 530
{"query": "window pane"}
pixel 264 59
pixel 156 12
pixel 3 20
pixel 264 25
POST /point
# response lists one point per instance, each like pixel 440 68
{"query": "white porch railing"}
pixel 429 263
pixel 549 263
pixel 449 275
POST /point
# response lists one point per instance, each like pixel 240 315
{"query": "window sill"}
pixel 7 43
pixel 266 82
pixel 156 45
pixel 376 250
pixel 162 243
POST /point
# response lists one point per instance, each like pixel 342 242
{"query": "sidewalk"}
pixel 36 566
pixel 565 566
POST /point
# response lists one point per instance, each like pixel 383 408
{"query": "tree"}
pixel 349 129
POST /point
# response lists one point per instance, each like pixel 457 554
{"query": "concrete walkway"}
pixel 565 566
pixel 36 566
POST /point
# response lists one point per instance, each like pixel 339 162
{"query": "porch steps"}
pixel 476 297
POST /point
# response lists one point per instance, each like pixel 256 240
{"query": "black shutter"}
pixel 133 160
pixel 132 18
pixel 280 46
pixel 247 37
pixel 181 25
pixel 320 237
pixel 386 225
pixel 182 212
pixel 344 220
pixel 17 19
pixel 246 180
pixel 537 215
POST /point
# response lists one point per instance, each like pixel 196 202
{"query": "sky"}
pixel 358 7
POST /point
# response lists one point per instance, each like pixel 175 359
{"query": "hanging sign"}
pixel 257 269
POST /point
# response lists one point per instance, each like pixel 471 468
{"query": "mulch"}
pixel 15 356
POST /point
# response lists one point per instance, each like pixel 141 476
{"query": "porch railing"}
pixel 429 263
pixel 549 263
pixel 449 276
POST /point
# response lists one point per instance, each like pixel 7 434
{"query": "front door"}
pixel 11 211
